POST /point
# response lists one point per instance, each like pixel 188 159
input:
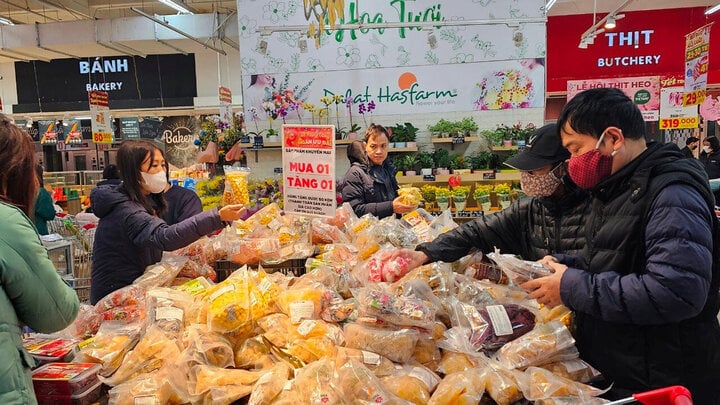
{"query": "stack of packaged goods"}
pixel 356 325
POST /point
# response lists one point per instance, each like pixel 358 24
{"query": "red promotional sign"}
pixel 225 95
pixel 99 98
pixel 644 43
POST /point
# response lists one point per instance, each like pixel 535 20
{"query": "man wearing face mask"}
pixel 691 143
pixel 645 293
pixel 549 222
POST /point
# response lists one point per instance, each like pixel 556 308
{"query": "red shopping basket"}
pixel 674 395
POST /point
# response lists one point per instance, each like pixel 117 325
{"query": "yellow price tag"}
pixel 679 123
pixel 694 97
pixel 102 137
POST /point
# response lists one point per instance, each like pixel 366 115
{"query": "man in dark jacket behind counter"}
pixel 369 186
pixel 645 292
pixel 552 221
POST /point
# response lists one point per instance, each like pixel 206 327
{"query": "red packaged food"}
pixel 90 396
pixel 65 379
pixel 47 349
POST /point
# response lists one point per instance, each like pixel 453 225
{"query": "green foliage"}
pixel 467 125
pixel 404 133
pixel 409 162
pixel 457 161
pixel 425 159
pixel 442 158
pixel 461 191
pixel 480 160
pixel 428 192
pixel 443 127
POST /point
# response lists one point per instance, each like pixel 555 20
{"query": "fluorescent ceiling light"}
pixel 549 5
pixel 177 5
pixel 712 9
pixel 610 22
pixel 6 21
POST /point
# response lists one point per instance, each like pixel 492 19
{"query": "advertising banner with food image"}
pixel 697 46
pixel 643 90
pixel 73 132
pixel 48 129
pixel 308 156
pixel 673 115
pixel 100 117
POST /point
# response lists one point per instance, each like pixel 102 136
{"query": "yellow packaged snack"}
pixel 501 386
pixel 538 383
pixel 229 303
pixel 301 303
pixel 410 195
pixel 453 362
pixel 462 387
pixel 236 186
pixel 263 295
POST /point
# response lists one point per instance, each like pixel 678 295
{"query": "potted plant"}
pixel 503 193
pixel 458 164
pixel 442 161
pixel 397 137
pixel 441 128
pixel 425 160
pixel 480 160
pixel 481 194
pixel 442 196
pixel 353 131
pixel 467 126
pixel 494 136
pixel 409 134
pixel 399 164
pixel 459 197
pixel 428 194
pixel 409 162
pixel 272 135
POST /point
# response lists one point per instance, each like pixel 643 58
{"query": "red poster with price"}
pixel 673 115
pixel 697 47
pixel 100 119
pixel 308 156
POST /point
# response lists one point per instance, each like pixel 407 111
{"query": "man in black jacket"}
pixel 549 222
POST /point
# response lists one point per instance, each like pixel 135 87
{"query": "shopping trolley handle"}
pixel 673 395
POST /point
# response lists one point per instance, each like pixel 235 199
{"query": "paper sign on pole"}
pixel 697 46
pixel 100 117
pixel 308 156
pixel 672 113
pixel 225 96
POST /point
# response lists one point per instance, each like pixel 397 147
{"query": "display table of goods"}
pixel 354 325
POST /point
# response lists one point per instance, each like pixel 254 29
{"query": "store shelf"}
pixel 472 177
pixel 410 149
pixel 503 148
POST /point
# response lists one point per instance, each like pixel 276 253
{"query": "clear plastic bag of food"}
pixel 537 383
pixel 216 383
pixel 127 313
pixel 536 346
pixel 193 270
pixel 335 308
pixel 419 221
pixel 397 345
pixel 505 323
pixel 269 385
pixel 160 387
pixel 410 195
pixel 203 346
pixel 518 270
pixel 366 243
pixel 324 233
pixel 427 351
pixel 86 324
pixel 441 224
pixel 413 383
pixel 354 380
pixel 395 232
pixel 500 384
pixel 236 185
pixel 251 354
pixel 109 346
pixel 268 218
pixel 474 266
pixel 253 251
pixel 406 311
pixel 358 225
pixel 129 295
pixel 335 275
pixel 313 384
pixel 382 267
pixel 229 303
pixel 344 215
pixel 162 273
pixel 438 276
pixel 575 369
pixel 334 255
pixel 301 303
pixel 381 366
pixel 462 387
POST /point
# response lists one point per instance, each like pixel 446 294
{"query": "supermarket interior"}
pixel 325 259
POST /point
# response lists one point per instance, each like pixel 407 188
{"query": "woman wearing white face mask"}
pixel 710 157
pixel 131 234
pixel 551 221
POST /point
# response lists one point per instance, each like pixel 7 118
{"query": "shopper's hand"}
pixel 231 212
pixel 416 258
pixel 400 208
pixel 549 260
pixel 546 290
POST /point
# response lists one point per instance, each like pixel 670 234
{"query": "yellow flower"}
pixel 326 100
pixel 309 107
pixel 337 99
pixel 502 188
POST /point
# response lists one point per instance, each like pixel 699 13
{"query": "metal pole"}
pixel 179 31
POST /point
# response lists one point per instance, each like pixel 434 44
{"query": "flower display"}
pixel 504 89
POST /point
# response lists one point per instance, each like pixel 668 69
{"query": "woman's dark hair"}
pixel 18 176
pixel 111 172
pixel 375 129
pixel 592 111
pixel 130 158
pixel 39 171
pixel 714 143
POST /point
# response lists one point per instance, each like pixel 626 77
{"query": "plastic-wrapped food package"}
pixel 419 221
pixel 538 383
pixel 129 295
pixel 518 270
pixel 366 243
pixel 343 215
pixel 558 313
pixel 500 384
pixel 269 385
pixel 438 276
pixel 396 310
pixel 396 345
pixel 152 351
pixel 109 346
pixel 192 269
pixel 311 349
pixel 236 185
pixel 536 346
pixel 382 267
pixel 207 347
pixel 324 233
pixel 276 327
pixel 162 273
pixel 575 369
pixel 197 251
pixel 475 267
pixel 504 323
pixel 126 313
pixel 335 274
pixel 396 232
pixel 252 354
pixel 301 303
pixel 412 382
pixel 203 377
pixel 358 225
pixel 253 251
pixel 453 362
pixel 267 217
pixel 312 385
pixel 264 292
pixel 196 287
pixel 157 387
pixel 354 380
pixel 335 308
pixel 410 195
pixel 426 349
pixel 441 224
pixel 380 366
pixel 229 303
pixel 86 324
pixel 462 387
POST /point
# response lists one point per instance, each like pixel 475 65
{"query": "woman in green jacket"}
pixel 44 208
pixel 32 292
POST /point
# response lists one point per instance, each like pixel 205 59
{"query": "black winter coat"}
pixel 530 227
pixel 369 189
pixel 647 302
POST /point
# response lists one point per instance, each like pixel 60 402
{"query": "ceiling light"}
pixel 549 5
pixel 712 9
pixel 6 21
pixel 610 22
pixel 177 5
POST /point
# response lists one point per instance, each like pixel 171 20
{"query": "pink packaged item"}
pixel 88 397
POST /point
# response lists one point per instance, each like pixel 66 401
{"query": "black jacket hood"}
pixel 356 154
pixel 104 199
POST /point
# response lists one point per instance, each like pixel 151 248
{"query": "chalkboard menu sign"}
pixel 150 127
pixel 130 81
pixel 130 127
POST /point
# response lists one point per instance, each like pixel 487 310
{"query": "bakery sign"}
pixel 103 66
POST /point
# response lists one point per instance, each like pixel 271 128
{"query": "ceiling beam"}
pixel 27 9
pixel 82 11
pixel 179 31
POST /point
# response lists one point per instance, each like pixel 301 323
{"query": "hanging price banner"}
pixel 100 119
pixel 697 46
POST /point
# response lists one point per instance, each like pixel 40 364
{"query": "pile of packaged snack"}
pixel 358 327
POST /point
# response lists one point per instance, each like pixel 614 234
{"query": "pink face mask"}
pixel 588 169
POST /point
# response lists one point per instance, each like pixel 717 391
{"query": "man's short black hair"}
pixel 592 111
